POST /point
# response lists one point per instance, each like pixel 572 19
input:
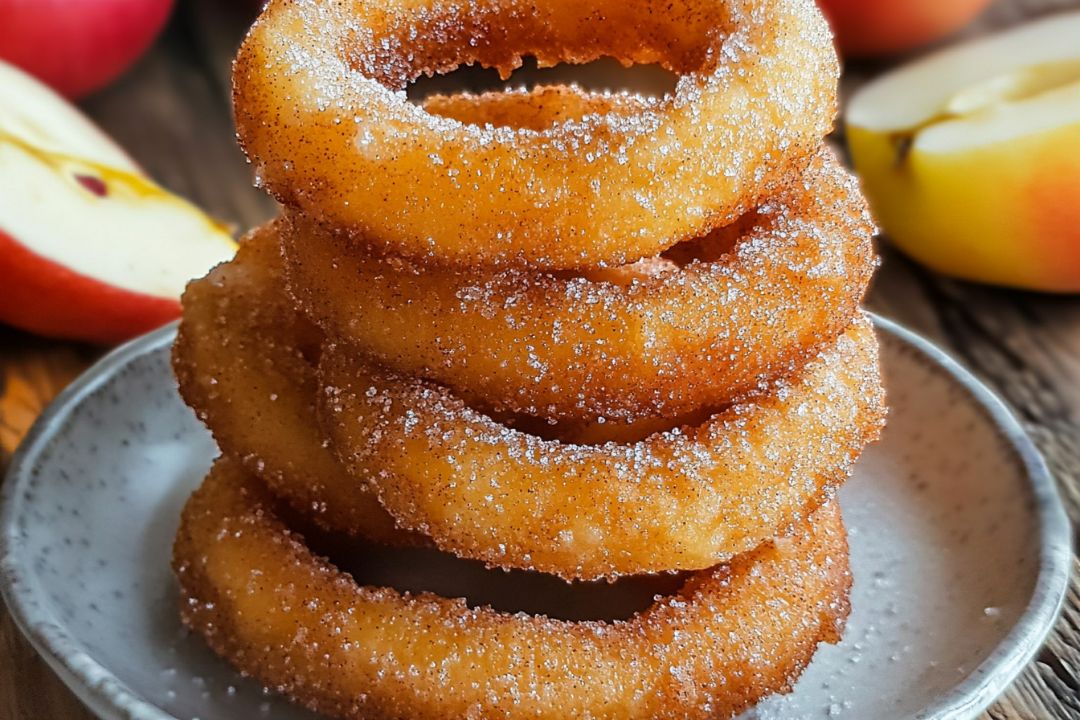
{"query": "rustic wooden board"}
pixel 172 113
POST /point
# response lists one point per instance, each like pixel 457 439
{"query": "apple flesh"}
pixel 46 298
pixel 868 28
pixel 90 248
pixel 971 157
pixel 78 46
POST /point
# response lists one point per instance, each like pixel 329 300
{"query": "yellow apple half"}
pixel 90 247
pixel 971 156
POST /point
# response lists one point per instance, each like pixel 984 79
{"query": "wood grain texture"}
pixel 172 113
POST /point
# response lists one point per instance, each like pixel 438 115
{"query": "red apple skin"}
pixel 78 46
pixel 46 298
pixel 871 28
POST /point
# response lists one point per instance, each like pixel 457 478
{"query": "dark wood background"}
pixel 172 113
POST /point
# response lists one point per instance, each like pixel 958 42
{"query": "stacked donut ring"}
pixel 582 334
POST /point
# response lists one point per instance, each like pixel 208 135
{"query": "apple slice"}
pixel 90 248
pixel 971 156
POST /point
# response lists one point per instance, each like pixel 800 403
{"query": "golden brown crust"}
pixel 240 361
pixel 593 334
pixel 604 510
pixel 737 310
pixel 730 636
pixel 320 112
pixel 683 499
pixel 483 490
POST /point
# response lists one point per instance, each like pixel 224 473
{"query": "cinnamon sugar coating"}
pixel 321 112
pixel 728 637
pixel 575 335
pixel 682 499
pixel 704 324
pixel 243 359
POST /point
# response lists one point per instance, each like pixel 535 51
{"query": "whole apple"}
pixel 78 46
pixel 868 28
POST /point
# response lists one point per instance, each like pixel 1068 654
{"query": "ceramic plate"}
pixel 960 550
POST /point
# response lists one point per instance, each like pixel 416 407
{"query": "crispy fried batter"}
pixel 684 499
pixel 240 361
pixel 731 635
pixel 700 326
pixel 320 113
pixel 593 334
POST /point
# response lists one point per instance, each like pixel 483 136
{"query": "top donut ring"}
pixel 322 113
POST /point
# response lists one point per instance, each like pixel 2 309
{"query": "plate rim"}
pixel 103 692
pixel 1023 641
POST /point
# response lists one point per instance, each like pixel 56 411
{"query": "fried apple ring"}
pixel 684 499
pixel 239 358
pixel 661 337
pixel 321 112
pixel 300 626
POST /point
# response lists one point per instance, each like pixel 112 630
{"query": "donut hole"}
pixel 604 431
pixel 717 243
pixel 512 591
pixel 605 75
pixel 708 248
pixel 536 98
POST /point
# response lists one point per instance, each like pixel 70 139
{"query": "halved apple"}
pixel 971 156
pixel 90 247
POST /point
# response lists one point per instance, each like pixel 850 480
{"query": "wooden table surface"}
pixel 172 113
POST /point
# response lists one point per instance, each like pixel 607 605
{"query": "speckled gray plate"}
pixel 960 550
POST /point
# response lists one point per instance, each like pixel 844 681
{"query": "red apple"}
pixel 90 247
pixel 867 28
pixel 78 46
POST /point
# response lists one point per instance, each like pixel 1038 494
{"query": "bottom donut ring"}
pixel 278 612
